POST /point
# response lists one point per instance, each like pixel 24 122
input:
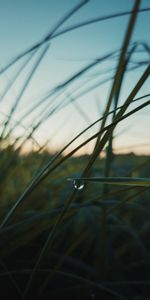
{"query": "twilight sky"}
pixel 23 23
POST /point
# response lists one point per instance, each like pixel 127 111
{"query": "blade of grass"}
pixel 98 150
pixel 114 180
pixel 17 101
pixel 64 31
pixel 40 177
pixel 16 76
pixel 121 66
pixel 48 36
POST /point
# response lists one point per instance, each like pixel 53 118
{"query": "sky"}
pixel 24 23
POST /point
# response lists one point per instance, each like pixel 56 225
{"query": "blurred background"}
pixel 36 90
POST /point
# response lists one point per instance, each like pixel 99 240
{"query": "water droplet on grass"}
pixel 78 184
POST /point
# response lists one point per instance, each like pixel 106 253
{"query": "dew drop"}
pixel 78 184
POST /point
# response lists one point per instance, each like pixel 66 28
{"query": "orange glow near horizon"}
pixel 139 149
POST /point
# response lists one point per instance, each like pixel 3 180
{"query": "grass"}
pixel 86 239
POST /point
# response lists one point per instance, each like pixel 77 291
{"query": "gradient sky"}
pixel 23 23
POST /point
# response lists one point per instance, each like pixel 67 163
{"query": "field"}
pixel 74 222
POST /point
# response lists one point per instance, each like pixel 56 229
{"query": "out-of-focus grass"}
pixel 56 237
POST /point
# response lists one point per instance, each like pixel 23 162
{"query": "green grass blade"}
pixel 114 180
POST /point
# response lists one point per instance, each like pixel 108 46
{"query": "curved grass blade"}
pixel 74 27
pixel 48 36
pixel 16 76
pixel 44 173
pixel 99 19
pixel 26 83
